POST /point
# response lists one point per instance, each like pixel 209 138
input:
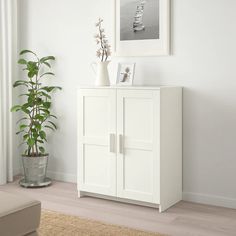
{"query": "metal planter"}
pixel 35 169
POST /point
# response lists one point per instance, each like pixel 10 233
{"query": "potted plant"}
pixel 36 117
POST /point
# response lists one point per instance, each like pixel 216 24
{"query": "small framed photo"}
pixel 125 74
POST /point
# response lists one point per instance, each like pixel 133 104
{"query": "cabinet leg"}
pixel 80 195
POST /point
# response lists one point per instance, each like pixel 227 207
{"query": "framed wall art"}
pixel 125 74
pixel 142 27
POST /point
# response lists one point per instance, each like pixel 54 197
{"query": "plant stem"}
pixel 36 96
pixel 101 38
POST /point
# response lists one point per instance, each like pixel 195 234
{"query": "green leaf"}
pixel 31 142
pixel 42 135
pixel 31 74
pixel 51 88
pixel 20 84
pixel 32 65
pixel 25 136
pixel 16 85
pixel 24 118
pixel 35 134
pixel 33 130
pixel 26 105
pixel 47 64
pixel 33 83
pixel 49 127
pixel 33 68
pixel 38 126
pixel 21 81
pixel 42 150
pixel 22 61
pixel 23 126
pixel 47 105
pixel 27 51
pixel 44 88
pixel 48 73
pixel 25 110
pixel 52 124
pixel 45 95
pixel 53 116
pixel 39 117
pixel 38 101
pixel 44 59
pixel 47 112
pixel 25 94
pixel 19 132
pixel 15 108
pixel 55 87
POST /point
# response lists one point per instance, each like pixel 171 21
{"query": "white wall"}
pixel 203 62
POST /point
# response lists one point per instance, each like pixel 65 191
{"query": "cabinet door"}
pixel 96 141
pixel 138 131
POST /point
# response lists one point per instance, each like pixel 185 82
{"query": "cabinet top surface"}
pixel 128 87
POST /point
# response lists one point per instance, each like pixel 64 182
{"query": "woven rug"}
pixel 56 224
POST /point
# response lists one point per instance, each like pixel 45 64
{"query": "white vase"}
pixel 102 76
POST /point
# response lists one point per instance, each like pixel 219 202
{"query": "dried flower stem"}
pixel 104 51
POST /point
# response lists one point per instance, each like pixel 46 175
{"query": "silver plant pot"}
pixel 35 169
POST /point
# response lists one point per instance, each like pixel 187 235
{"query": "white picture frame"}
pixel 125 74
pixel 145 47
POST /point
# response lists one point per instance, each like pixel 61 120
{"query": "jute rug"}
pixel 56 224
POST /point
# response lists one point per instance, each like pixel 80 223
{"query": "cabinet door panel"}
pixel 143 168
pixel 97 120
pixel 96 166
pixel 138 126
pixel 96 116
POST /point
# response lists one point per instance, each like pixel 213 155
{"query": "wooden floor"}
pixel 183 219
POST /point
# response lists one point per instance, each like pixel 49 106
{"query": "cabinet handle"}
pixel 112 142
pixel 120 143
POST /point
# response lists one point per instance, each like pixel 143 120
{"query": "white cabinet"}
pixel 97 121
pixel 130 144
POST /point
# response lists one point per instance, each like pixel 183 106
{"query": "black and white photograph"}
pixel 142 27
pixel 139 19
pixel 125 74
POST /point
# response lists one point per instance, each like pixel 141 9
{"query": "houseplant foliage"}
pixel 36 113
pixel 37 116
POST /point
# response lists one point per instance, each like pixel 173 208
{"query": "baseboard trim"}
pixel 62 176
pixel 53 175
pixel 210 199
pixel 17 171
pixel 187 196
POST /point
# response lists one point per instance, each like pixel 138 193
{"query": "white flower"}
pixel 99 22
pixel 108 53
pixel 104 49
pixel 98 53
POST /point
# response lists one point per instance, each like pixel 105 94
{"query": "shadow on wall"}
pixel 207 150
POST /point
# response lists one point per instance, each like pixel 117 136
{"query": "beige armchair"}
pixel 19 215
